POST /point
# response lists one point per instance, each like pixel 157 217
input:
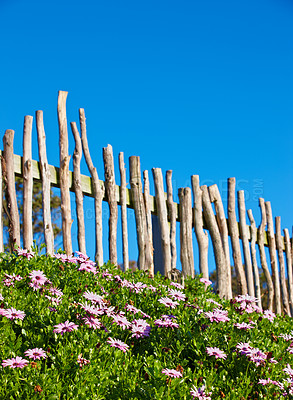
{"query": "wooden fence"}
pixel 153 215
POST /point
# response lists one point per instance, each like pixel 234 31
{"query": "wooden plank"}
pixel 27 183
pixel 9 182
pixel 284 290
pixel 245 242
pixel 123 202
pixel 263 259
pixel 234 234
pixel 201 236
pixel 77 155
pixel 273 257
pixel 111 196
pixel 97 189
pixel 223 228
pixel 64 172
pixel 186 247
pixel 46 186
pixel 87 188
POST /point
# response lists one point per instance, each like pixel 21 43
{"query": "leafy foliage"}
pixel 51 290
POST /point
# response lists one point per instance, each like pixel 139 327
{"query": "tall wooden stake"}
pixel 186 247
pixel 245 242
pixel 64 173
pixel 234 234
pixel 149 244
pixel 27 183
pixel 213 228
pixel 273 257
pixel 263 259
pixel 97 189
pixel 9 181
pixel 253 257
pixel 172 215
pixel 201 236
pixel 110 187
pixel 163 219
pixel 280 245
pixel 46 183
pixel 289 267
pixel 123 211
pixel 77 154
pixel 222 224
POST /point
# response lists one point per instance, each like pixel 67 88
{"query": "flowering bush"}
pixel 72 330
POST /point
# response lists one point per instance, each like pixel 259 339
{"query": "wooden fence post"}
pixel 97 189
pixel 213 228
pixel 46 184
pixel 201 236
pixel 172 215
pixel 110 188
pixel 215 198
pixel 279 245
pixel 27 183
pixel 1 207
pixel 186 248
pixel 263 259
pixel 139 209
pixel 272 249
pixel 163 219
pixel 149 244
pixel 64 173
pixel 123 211
pixel 253 257
pixel 77 155
pixel 289 267
pixel 234 234
pixel 245 242
pixel 9 180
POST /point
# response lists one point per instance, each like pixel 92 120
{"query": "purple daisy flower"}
pixel 17 362
pixel 65 327
pixel 173 373
pixel 214 351
pixel 36 353
pixel 12 313
pixel 118 343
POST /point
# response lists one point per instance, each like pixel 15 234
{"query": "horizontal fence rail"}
pixel 200 210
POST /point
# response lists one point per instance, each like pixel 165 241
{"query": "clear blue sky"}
pixel 199 87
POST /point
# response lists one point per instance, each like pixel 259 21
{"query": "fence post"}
pixel 64 173
pixel 110 188
pixel 27 183
pixel 9 180
pixel 273 257
pixel 77 155
pixel 186 248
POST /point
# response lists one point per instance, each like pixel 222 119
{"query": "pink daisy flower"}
pixel 121 321
pixel 140 328
pixel 168 302
pixel 173 373
pixel 93 297
pixel 199 393
pixel 16 362
pixel 177 295
pixel 12 313
pixel 36 353
pixel 38 277
pixel 214 351
pixel 118 343
pixel 65 327
pixel 92 322
pixel 206 282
